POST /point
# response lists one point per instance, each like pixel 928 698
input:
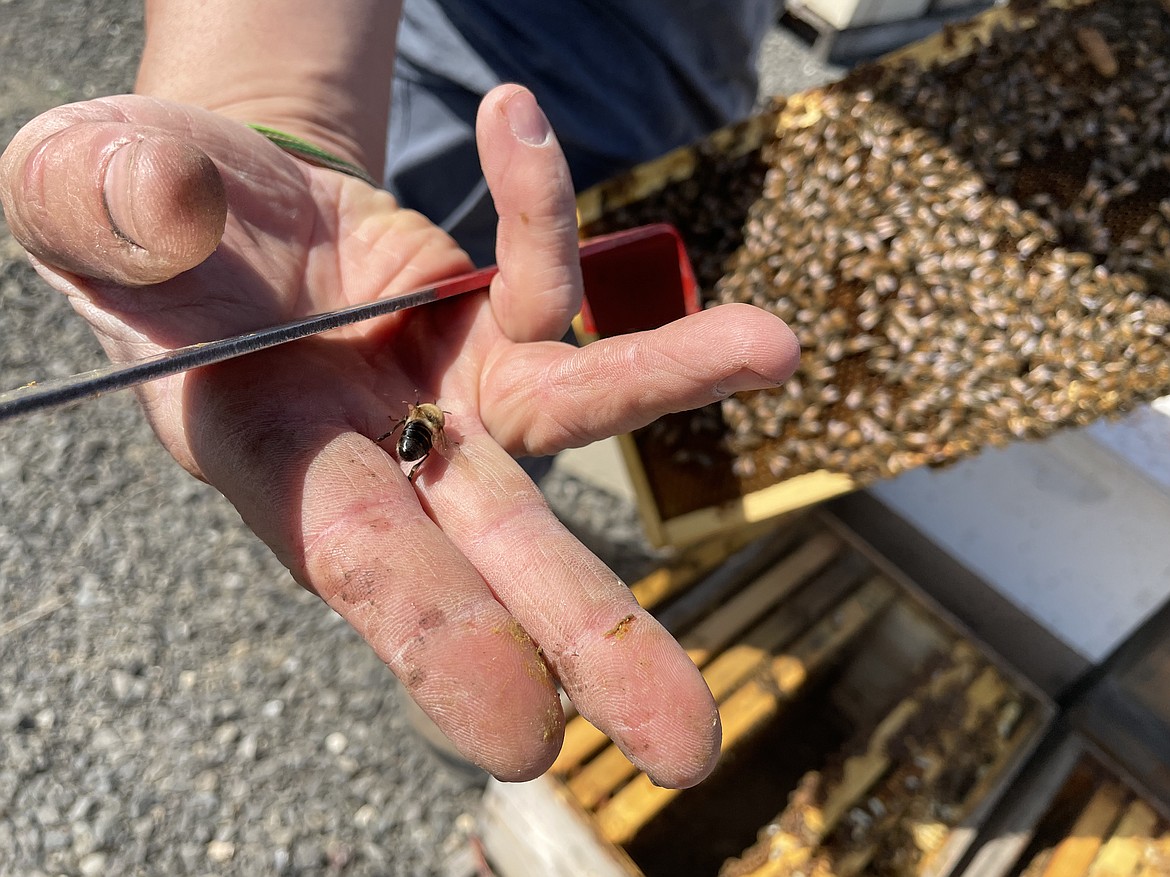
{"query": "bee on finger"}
pixel 422 431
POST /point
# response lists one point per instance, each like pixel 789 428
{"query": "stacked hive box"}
pixel 863 732
pixel 1079 817
pixel 1098 825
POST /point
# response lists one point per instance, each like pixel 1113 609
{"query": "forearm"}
pixel 320 70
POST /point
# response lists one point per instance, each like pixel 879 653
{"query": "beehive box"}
pixel 863 732
pixel 1076 815
pixel 843 14
pixel 971 241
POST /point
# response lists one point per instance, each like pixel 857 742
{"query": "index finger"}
pixel 340 514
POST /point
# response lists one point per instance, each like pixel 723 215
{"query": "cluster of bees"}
pixel 969 251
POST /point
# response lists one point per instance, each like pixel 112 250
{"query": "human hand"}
pixel 166 224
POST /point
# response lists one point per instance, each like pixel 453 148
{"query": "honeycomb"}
pixel 971 250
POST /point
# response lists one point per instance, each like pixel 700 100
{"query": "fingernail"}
pixel 742 380
pixel 118 191
pixel 526 119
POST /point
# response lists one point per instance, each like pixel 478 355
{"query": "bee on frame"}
pixel 422 430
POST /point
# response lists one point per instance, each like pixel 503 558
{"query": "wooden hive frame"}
pixel 761 497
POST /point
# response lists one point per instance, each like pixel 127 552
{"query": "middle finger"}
pixel 621 668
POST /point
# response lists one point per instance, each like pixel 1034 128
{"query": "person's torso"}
pixel 625 79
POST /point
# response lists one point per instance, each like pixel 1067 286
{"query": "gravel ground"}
pixel 170 701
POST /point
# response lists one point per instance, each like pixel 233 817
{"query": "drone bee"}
pixel 422 430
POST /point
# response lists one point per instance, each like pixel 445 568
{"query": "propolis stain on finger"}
pixel 620 629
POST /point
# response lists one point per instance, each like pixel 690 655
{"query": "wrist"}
pixel 318 71
pixel 303 121
pixel 312 153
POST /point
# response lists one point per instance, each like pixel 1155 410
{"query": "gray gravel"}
pixel 170 702
pixel 787 65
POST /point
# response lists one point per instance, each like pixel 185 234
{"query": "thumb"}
pixel 111 200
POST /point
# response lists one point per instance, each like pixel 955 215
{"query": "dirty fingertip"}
pixel 682 771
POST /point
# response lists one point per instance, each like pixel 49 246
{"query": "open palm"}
pixel 463 582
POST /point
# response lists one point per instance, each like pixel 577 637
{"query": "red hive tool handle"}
pixel 636 280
